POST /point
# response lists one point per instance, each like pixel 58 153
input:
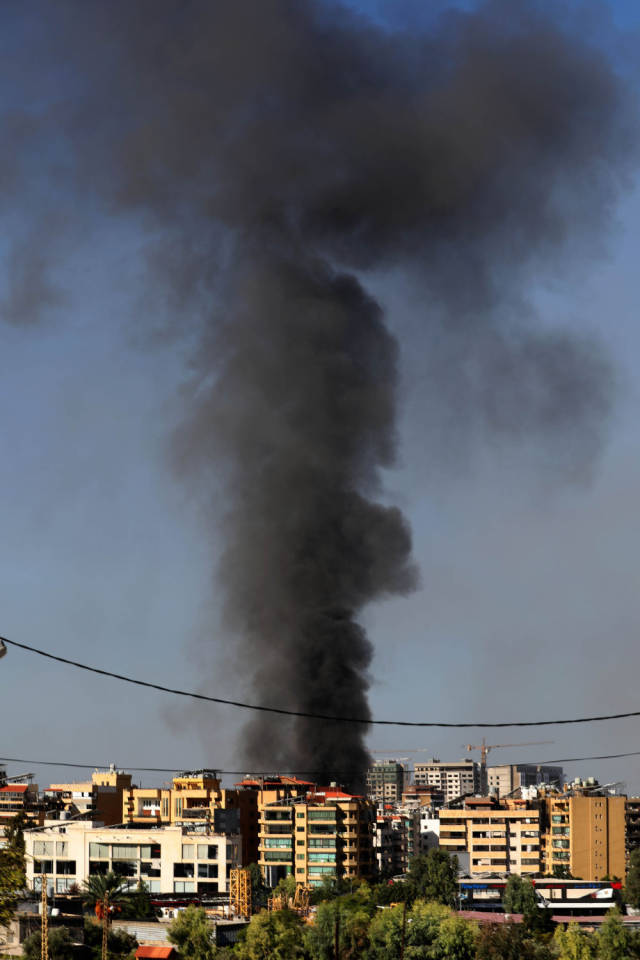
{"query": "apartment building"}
pixel 168 859
pixel 196 801
pixel 584 834
pixel 386 780
pixel 632 824
pixel 396 838
pixel 498 837
pixel 454 779
pixel 23 797
pixel 509 777
pixel 325 833
pixel 100 798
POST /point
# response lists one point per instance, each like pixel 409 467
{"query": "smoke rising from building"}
pixel 278 153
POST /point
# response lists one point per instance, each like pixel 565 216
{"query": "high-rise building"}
pixel 386 780
pixel 584 834
pixel 455 778
pixel 326 833
pixel 496 837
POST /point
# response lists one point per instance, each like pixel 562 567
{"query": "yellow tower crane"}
pixel 44 924
pixel 485 749
pixel 240 892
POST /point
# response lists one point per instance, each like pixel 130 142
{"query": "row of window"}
pixel 134 851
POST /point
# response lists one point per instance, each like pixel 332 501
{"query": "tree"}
pixel 12 868
pixel 60 945
pixel 434 876
pixel 191 933
pixel 259 890
pixel 632 885
pixel 615 941
pixel 119 943
pixel 273 936
pixel 350 918
pixel 95 888
pixel 574 944
pixel 456 940
pixel 385 934
pixel 138 905
pixel 519 895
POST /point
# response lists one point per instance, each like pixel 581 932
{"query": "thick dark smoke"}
pixel 282 150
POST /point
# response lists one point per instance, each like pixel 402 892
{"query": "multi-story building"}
pixel 99 798
pixel 325 833
pixel 168 859
pixel 386 780
pixel 197 802
pixel 509 777
pixel 632 824
pixel 498 837
pixel 23 797
pixel 396 837
pixel 584 834
pixel 455 779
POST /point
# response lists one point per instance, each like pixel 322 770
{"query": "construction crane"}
pixel 240 892
pixel 485 748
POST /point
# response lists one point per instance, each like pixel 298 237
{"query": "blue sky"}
pixel 529 604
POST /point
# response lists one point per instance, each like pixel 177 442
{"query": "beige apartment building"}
pixel 386 780
pixel 584 834
pixel 327 833
pixel 169 859
pixel 101 797
pixel 498 838
pixel 454 779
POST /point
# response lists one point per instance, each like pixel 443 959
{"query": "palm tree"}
pixel 96 888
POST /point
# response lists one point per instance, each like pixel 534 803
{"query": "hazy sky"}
pixel 529 603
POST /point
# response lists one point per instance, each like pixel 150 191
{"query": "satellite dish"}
pixel 3 648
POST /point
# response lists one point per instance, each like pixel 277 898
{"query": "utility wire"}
pixel 316 716
pixel 272 772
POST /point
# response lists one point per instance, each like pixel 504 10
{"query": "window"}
pixel 207 871
pixel 42 848
pixel 66 867
pixel 184 886
pixel 125 851
pixel 43 866
pixel 207 851
pixel 300 856
pixel 183 869
pixel 165 806
pixel 99 850
pixel 300 870
pixel 322 857
pixel 150 851
pixel 64 885
pixel 125 868
pixel 98 868
pixel 179 806
pixel 62 848
pixel 154 886
pixel 187 851
pixel 322 814
pixel 149 870
pixel 300 816
pixel 278 842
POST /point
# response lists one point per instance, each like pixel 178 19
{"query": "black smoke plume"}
pixel 279 151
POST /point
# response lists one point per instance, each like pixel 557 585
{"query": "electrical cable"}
pixel 273 772
pixel 317 716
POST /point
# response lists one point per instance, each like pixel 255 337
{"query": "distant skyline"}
pixel 529 600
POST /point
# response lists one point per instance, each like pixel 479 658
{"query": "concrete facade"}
pixel 499 838
pixel 454 779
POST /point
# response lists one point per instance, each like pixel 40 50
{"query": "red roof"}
pixel 14 788
pixel 155 953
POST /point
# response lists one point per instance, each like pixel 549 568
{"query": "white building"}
pixel 169 859
pixel 455 779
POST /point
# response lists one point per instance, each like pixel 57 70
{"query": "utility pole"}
pixel 44 924
pixel 105 924
pixel 336 945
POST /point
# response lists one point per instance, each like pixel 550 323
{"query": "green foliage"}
pixel 12 868
pixel 574 944
pixel 456 940
pixel 94 889
pixel 632 885
pixel 385 934
pixel 273 936
pixel 351 918
pixel 519 895
pixel 259 890
pixel 191 933
pixel 120 944
pixel 615 942
pixel 138 905
pixel 60 945
pixel 434 876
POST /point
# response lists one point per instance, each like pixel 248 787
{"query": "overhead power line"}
pixel 309 715
pixel 274 771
